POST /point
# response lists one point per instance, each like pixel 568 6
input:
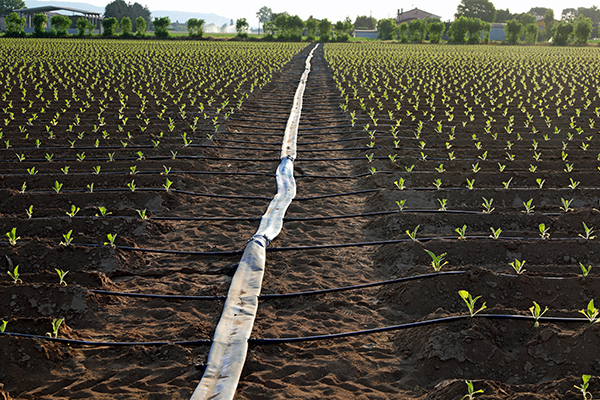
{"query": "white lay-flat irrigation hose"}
pixel 230 344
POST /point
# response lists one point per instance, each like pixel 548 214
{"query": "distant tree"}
pixel 401 32
pixel 264 15
pixel 503 15
pixel 513 30
pixel 474 28
pixel 562 32
pixel 126 26
pixel 60 24
pixel 15 25
pixel 458 30
pixel 538 11
pixel 593 13
pixel 414 30
pixel 311 26
pixel 569 14
pixel 582 29
pixel 296 26
pixel 40 22
pixel 324 30
pixel 482 9
pixel 119 9
pixel 8 6
pixel 526 19
pixel 486 29
pixel 195 27
pixel 548 23
pixel 387 29
pixel 161 27
pixel 140 26
pixel 425 26
pixel 82 25
pixel 436 30
pixel 109 25
pixel 241 27
pixel 531 33
pixel 364 22
pixel 343 30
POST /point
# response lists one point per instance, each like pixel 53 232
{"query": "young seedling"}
pixel 14 274
pixel 471 392
pixel 540 182
pixel 57 187
pixel 470 183
pixel 585 271
pixel 436 261
pixel 370 157
pixel 29 212
pixel 12 236
pixel 103 211
pixel 111 240
pixel 96 170
pixel 518 266
pixel 487 205
pixel 528 207
pixel 401 204
pixel 142 214
pixel 566 205
pixel 544 231
pixel 68 239
pixel 166 171
pixel 73 212
pixel 536 312
pixel 65 170
pixel 400 184
pixel 461 232
pixel 55 327
pixel 23 187
pixel 584 387
pixel 409 169
pixel 470 302
pixel 90 187
pixel 495 233
pixel 413 234
pixel 501 167
pixel 440 168
pixel 437 183
pixel 61 276
pixel 475 167
pixel 507 184
pixel 588 232
pixel 3 326
pixel 131 185
pixel 373 170
pixel 32 171
pixel 591 313
pixel 443 203
pixel 573 183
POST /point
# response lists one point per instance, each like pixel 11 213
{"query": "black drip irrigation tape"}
pixel 263 341
pixel 410 325
pixel 150 173
pixel 279 150
pixel 325 196
pixel 280 295
pixel 202 342
pixel 323 246
pixel 223 196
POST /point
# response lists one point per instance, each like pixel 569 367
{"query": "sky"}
pixel 336 11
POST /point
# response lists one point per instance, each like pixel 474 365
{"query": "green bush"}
pixel 161 27
pixel 60 24
pixel 109 25
pixel 14 25
pixel 40 22
pixel 126 26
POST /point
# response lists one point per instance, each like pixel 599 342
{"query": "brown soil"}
pixel 508 359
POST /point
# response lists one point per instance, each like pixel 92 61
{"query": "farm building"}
pixel 497 32
pixel 49 11
pixel 365 33
pixel 411 15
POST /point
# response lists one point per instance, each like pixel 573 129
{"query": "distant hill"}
pixel 180 16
